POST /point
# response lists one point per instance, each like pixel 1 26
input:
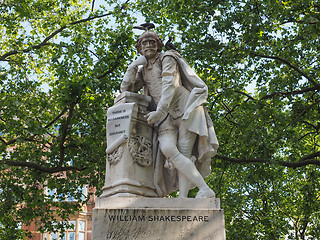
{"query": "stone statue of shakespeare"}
pixel 184 137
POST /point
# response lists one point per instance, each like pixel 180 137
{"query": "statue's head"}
pixel 148 44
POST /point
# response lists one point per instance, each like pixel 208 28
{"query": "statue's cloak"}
pixel 197 120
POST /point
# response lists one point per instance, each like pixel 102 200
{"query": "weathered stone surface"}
pixel 160 218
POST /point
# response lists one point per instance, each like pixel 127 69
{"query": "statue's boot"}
pixel 184 186
pixel 184 183
pixel 189 171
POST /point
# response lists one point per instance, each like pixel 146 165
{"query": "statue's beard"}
pixel 149 53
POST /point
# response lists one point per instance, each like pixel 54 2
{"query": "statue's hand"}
pixel 154 116
pixel 142 60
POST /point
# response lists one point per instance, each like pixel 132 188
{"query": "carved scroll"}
pixel 115 156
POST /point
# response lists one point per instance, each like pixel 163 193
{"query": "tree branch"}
pixel 92 6
pixel 272 95
pixel 302 137
pixel 239 160
pixel 4 141
pixel 304 161
pixel 64 132
pixel 216 99
pixel 317 128
pixel 106 73
pixel 305 223
pixel 41 168
pixel 57 117
pixel 245 94
pixel 302 113
pixel 300 164
pixel 258 12
pixel 53 34
pixel 12 141
pixel 310 79
pixel 310 156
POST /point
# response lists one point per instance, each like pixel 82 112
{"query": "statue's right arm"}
pixel 132 80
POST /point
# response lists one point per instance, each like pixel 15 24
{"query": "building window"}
pixel 54 236
pixel 76 232
pixel 71 236
pixel 82 230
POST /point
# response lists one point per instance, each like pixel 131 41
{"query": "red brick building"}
pixel 82 223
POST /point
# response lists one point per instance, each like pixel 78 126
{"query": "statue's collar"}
pixel 153 60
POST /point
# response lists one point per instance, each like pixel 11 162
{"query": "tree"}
pixel 60 66
pixel 267 168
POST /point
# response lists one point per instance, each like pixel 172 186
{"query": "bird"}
pixel 169 45
pixel 145 26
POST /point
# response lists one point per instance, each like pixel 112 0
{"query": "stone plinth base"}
pixel 157 219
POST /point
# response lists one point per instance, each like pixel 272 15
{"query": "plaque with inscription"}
pixel 118 125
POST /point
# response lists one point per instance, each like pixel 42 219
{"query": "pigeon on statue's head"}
pixel 145 26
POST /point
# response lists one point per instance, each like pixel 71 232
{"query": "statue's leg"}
pixel 186 140
pixel 168 146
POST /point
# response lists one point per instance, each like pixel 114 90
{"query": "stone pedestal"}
pixel 158 219
pixel 129 168
pixel 129 208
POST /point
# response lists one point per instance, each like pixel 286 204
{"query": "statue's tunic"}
pixel 168 93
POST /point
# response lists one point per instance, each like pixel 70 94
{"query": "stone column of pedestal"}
pixel 129 168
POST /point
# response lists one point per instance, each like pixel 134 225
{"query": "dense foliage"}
pixel 61 63
pixel 267 169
